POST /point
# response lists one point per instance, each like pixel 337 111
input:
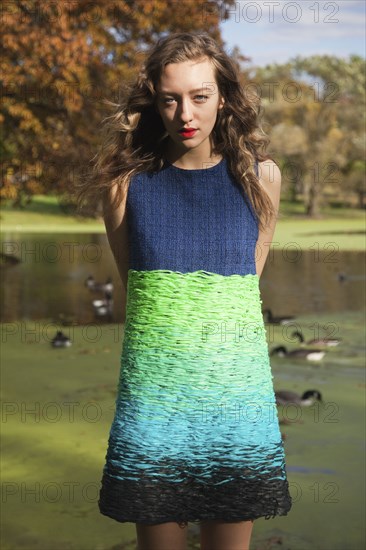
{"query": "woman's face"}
pixel 187 97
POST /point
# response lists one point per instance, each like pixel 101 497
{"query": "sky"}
pixel 274 31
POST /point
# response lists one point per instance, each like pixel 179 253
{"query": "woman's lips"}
pixel 187 133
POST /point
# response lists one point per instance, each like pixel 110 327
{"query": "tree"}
pixel 314 108
pixel 61 59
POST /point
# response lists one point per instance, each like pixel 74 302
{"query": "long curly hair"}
pixel 128 148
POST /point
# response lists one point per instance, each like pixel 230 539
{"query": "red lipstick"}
pixel 188 132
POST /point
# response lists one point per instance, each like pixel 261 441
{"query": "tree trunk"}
pixel 361 199
pixel 313 206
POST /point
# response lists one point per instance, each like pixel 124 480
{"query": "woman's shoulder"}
pixel 145 175
pixel 269 176
pixel 269 171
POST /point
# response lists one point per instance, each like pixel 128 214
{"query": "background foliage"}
pixel 61 60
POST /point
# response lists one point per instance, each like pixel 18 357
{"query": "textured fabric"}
pixel 187 220
pixel 195 434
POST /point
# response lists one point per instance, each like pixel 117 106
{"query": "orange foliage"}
pixel 61 58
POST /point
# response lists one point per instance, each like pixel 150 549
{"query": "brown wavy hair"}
pixel 128 148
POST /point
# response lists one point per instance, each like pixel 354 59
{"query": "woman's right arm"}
pixel 115 221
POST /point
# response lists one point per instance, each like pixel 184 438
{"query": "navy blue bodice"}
pixel 190 220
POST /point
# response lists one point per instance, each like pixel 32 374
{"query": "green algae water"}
pixel 58 404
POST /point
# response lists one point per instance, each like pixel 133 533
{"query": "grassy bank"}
pixel 44 214
pixel 342 228
pixel 58 406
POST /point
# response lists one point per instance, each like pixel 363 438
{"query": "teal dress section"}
pixel 195 434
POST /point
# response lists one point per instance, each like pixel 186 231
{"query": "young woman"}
pixel 190 205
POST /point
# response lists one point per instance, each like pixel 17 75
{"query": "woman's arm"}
pixel 270 179
pixel 115 221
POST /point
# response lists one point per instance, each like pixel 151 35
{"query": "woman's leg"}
pixel 162 536
pixel 217 535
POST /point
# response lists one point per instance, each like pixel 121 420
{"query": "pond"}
pixel 45 455
pixel 49 282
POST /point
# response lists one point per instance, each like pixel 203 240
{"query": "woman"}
pixel 190 205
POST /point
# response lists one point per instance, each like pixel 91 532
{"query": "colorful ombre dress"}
pixel 195 434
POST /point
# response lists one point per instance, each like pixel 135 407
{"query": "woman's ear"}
pixel 221 103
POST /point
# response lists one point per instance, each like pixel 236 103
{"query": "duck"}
pixel 277 320
pixel 283 397
pixel 9 259
pixel 316 341
pixel 342 277
pixel 93 286
pixel 61 340
pixel 104 307
pixel 310 354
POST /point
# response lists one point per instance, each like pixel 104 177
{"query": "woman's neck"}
pixel 192 160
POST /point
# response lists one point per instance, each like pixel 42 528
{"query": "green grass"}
pixel 58 407
pixel 44 214
pixel 332 210
pixel 327 234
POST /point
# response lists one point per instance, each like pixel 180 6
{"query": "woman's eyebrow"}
pixel 201 89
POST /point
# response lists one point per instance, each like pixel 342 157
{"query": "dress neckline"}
pixel 210 169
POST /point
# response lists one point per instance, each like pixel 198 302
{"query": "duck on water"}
pixel 104 308
pixel 276 320
pixel 309 354
pixel 94 286
pixel 283 397
pixel 61 340
pixel 316 341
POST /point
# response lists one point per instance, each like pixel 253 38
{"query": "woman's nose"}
pixel 185 111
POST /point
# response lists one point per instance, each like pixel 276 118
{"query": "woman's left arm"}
pixel 270 179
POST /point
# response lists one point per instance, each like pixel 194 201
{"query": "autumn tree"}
pixel 314 110
pixel 60 60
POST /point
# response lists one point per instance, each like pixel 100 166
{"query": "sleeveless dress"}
pixel 195 434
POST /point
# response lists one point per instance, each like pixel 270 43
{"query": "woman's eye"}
pixel 200 98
